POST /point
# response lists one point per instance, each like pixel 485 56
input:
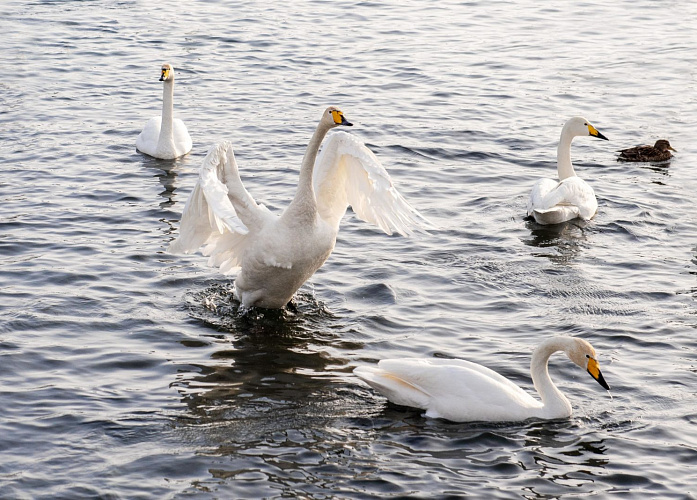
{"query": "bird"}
pixel 555 201
pixel 276 254
pixel 462 391
pixel 661 151
pixel 165 137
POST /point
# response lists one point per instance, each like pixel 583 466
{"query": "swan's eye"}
pixel 588 356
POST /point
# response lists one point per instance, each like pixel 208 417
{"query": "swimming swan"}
pixel 555 201
pixel 277 254
pixel 164 136
pixel 462 391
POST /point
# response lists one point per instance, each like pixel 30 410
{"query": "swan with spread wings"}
pixel 276 254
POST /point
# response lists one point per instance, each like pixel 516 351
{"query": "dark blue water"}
pixel 126 372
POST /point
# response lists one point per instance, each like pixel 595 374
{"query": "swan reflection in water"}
pixel 167 173
pixel 564 241
pixel 267 365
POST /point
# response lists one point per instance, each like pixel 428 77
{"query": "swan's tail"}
pixel 555 215
pixel 397 390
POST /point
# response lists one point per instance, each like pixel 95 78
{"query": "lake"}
pixel 128 372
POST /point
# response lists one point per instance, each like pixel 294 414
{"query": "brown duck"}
pixel 661 151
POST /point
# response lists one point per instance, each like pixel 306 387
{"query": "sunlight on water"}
pixel 127 372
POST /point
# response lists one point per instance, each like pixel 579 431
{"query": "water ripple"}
pixel 131 373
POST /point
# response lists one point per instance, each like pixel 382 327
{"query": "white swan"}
pixel 462 391
pixel 277 254
pixel 555 201
pixel 165 137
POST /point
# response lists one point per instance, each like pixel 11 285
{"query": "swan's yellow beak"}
pixel 594 132
pixel 164 75
pixel 594 370
pixel 339 118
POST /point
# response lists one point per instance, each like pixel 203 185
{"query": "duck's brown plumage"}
pixel 661 151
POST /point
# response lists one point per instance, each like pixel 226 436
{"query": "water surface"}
pixel 126 372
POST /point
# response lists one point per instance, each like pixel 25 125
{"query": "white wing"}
pixel 213 213
pixel 449 388
pixel 348 173
pixel 440 377
pixel 539 190
pixel 182 139
pixel 147 139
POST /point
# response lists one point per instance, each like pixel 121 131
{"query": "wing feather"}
pixel 210 219
pixel 455 389
pixel 552 202
pixel 348 173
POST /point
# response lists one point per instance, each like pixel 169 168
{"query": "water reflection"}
pixel 693 272
pixel 537 456
pixel 166 173
pixel 566 240
pixel 261 361
pixel 263 404
pixel 270 408
pixel 658 167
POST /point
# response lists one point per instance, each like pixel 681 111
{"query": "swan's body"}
pixel 165 137
pixel 462 391
pixel 555 201
pixel 661 151
pixel 277 254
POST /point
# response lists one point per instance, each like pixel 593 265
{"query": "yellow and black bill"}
pixel 594 132
pixel 594 371
pixel 340 119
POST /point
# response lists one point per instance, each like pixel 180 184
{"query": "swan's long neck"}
pixel 564 167
pixel 555 404
pixel 167 127
pixel 304 204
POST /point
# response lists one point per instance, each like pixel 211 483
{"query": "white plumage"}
pixel 277 254
pixel 462 391
pixel 555 201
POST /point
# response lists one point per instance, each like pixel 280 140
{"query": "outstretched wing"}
pixel 214 213
pixel 348 173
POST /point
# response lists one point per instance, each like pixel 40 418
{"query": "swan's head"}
pixel 583 354
pixel 333 117
pixel 579 126
pixel 167 74
pixel 663 145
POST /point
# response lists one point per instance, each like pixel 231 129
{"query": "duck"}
pixel 274 255
pixel 165 137
pixel 553 201
pixel 661 151
pixel 462 391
